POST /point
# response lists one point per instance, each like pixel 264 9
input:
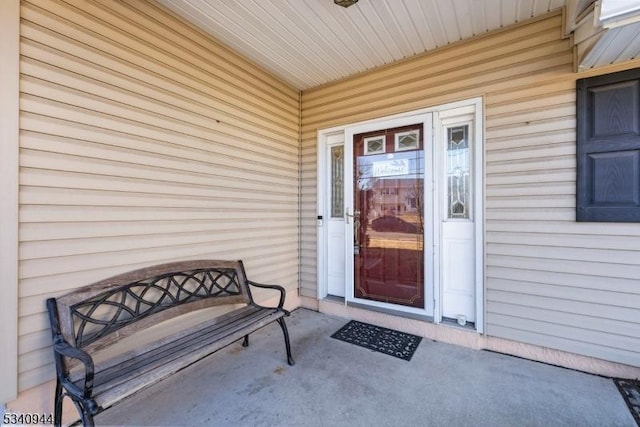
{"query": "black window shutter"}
pixel 608 150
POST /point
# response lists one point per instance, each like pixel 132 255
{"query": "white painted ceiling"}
pixel 311 42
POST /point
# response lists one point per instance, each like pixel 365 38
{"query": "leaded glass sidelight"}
pixel 337 181
pixel 458 172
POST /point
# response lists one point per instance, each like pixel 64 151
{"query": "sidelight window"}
pixel 458 172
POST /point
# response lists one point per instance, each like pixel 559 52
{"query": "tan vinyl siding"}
pixel 144 141
pixel 549 280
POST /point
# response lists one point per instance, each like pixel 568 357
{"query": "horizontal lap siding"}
pixel 144 141
pixel 549 280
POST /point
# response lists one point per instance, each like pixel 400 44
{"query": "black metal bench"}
pixel 92 319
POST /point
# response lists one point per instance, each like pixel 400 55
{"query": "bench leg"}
pixel 285 332
pixel 86 414
pixel 245 341
pixel 87 419
pixel 86 409
pixel 57 407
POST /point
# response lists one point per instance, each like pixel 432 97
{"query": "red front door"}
pixel 389 216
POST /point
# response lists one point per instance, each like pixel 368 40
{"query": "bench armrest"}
pixel 64 349
pixel 275 287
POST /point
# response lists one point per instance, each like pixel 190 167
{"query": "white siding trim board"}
pixel 9 194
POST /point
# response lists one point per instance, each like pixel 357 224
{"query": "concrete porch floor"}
pixel 338 384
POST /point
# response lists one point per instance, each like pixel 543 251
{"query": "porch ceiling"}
pixel 311 42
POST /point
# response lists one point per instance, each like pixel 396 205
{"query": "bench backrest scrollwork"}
pixel 94 316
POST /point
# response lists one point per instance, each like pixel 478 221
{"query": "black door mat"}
pixel 376 338
pixel 630 390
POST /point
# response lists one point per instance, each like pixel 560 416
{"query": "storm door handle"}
pixel 347 215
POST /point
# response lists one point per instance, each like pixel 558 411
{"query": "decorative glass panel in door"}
pixel 458 172
pixel 337 181
pixel 388 216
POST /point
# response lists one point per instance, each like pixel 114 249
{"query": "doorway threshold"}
pixel 468 326
pixel 334 298
pixel 397 313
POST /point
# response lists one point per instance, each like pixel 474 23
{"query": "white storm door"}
pixel 360 230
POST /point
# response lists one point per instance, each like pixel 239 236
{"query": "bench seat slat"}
pixel 114 381
pixel 200 335
pixel 120 361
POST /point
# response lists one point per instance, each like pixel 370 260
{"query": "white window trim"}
pixel 9 131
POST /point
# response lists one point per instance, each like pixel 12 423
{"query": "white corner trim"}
pixel 613 13
pixel 9 131
pixel 321 243
pixel 480 168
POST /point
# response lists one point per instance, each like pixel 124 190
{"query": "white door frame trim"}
pixel 322 135
pixel 9 162
pixel 321 209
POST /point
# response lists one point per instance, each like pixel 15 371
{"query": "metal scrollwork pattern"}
pixel 114 309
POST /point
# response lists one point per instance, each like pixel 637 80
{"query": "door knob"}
pixel 347 215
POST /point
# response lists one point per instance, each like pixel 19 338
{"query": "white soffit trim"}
pixel 616 13
pixel 615 45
